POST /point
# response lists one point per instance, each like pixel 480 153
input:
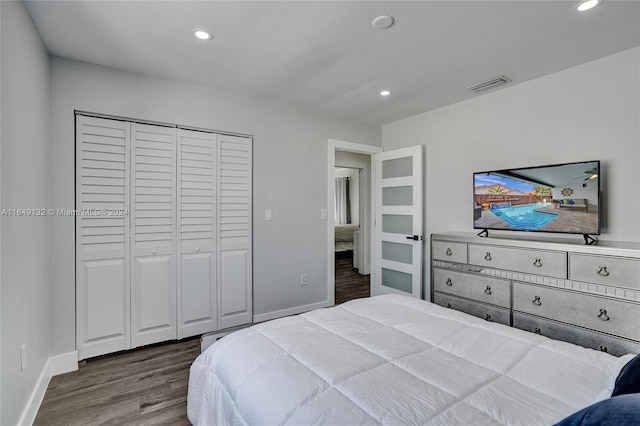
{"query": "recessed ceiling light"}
pixel 385 93
pixel 588 4
pixel 382 22
pixel 202 34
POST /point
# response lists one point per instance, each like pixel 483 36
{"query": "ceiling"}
pixel 555 175
pixel 325 56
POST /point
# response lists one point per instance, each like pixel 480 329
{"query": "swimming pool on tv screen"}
pixel 524 216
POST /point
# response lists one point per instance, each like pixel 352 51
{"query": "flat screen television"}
pixel 561 198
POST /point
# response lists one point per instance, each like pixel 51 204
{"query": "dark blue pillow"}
pixel 621 410
pixel 628 380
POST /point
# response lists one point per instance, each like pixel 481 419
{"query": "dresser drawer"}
pixel 539 262
pixel 449 251
pixel 484 289
pixel 604 314
pixel 612 270
pixel 480 310
pixel 579 336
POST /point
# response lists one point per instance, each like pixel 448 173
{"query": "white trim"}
pixel 55 365
pixel 63 363
pixel 290 311
pixel 35 399
pixel 358 148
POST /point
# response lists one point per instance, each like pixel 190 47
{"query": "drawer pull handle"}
pixel 154 251
pixel 536 301
pixel 448 252
pixel 538 262
pixel 537 330
pixel 604 348
pixel 603 315
pixel 488 290
pixel 449 282
pixel 448 305
pixel 603 271
pixel 487 256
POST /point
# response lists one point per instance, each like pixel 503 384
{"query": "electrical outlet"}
pixel 23 357
pixel 323 214
pixel 268 216
pixel 303 279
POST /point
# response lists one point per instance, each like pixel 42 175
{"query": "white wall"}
pixel 290 176
pixel 24 185
pixel 588 112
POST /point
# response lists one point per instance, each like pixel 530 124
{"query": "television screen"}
pixel 562 198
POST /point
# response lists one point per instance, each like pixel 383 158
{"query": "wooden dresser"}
pixel 588 295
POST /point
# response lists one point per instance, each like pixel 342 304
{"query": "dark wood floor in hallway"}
pixel 349 283
pixel 146 386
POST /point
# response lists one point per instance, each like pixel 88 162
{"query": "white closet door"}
pixel 153 202
pixel 102 229
pixel 197 298
pixel 234 231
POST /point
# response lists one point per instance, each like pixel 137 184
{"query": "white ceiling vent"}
pixel 490 84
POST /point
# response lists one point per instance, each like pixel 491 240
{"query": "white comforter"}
pixel 393 360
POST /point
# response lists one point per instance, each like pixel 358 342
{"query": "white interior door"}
pixel 234 236
pixel 398 240
pixel 153 202
pixel 197 296
pixel 102 232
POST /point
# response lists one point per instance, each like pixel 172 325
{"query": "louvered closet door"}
pixel 234 231
pixel 197 298
pixel 153 202
pixel 102 229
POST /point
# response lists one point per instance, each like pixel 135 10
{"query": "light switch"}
pixel 268 216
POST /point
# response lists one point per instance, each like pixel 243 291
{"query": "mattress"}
pixel 393 360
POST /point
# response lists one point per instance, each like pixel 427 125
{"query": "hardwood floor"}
pixel 146 386
pixel 349 283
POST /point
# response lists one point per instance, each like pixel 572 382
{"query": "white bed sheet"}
pixel 393 360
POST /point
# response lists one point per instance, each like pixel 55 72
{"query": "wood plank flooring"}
pixel 146 386
pixel 349 283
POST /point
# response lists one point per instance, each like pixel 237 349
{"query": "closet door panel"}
pixel 197 294
pixel 197 298
pixel 235 226
pixel 234 276
pixel 102 229
pixel 153 240
pixel 154 299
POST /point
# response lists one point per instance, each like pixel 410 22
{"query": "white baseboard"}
pixel 63 363
pixel 291 311
pixel 36 397
pixel 55 365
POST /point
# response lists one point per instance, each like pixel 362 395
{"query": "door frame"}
pixel 333 146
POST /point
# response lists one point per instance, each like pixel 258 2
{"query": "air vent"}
pixel 490 84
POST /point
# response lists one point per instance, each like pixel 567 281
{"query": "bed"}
pixel 394 360
pixel 344 237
